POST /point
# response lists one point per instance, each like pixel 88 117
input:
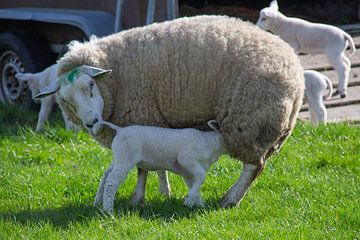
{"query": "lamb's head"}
pixel 268 15
pixel 79 95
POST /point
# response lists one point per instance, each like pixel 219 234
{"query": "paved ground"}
pixel 347 109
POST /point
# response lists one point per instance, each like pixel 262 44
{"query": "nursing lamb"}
pixel 180 74
pixel 187 152
pixel 40 80
pixel 315 85
pixel 311 38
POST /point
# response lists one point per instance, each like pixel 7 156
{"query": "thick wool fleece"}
pixel 182 73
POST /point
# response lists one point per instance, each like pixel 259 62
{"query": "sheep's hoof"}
pixel 228 201
pixel 137 200
pixel 342 95
pixel 191 202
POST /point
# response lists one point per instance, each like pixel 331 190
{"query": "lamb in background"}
pixel 315 85
pixel 40 80
pixel 311 38
pixel 188 152
pixel 180 74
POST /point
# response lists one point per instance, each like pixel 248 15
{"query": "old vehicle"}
pixel 33 34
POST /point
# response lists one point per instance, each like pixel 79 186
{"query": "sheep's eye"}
pixel 91 88
pixel 263 19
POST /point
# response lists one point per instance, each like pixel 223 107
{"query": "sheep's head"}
pixel 79 94
pixel 267 15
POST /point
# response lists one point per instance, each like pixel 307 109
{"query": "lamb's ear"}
pixel 274 5
pixel 50 89
pixel 24 76
pixel 97 73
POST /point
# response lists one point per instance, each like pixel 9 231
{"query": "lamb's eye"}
pixel 263 19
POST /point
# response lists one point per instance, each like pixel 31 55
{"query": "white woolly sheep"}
pixel 40 80
pixel 180 74
pixel 315 85
pixel 187 152
pixel 311 38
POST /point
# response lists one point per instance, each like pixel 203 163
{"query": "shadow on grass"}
pixel 167 210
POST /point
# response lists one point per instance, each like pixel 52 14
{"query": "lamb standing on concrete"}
pixel 315 85
pixel 188 152
pixel 182 73
pixel 311 38
pixel 40 80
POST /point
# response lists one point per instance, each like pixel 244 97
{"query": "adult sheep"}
pixel 182 73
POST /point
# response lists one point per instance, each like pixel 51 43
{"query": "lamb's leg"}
pixel 45 109
pixel 238 190
pixel 164 186
pixel 100 191
pixel 319 108
pixel 313 115
pixel 194 178
pixel 114 179
pixel 139 193
pixel 342 66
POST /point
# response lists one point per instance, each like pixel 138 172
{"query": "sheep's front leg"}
pixel 238 190
pixel 116 176
pixel 164 186
pixel 100 191
pixel 139 192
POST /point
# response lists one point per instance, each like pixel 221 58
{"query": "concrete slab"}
pixel 338 114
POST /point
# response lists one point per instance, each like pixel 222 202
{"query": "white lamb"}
pixel 40 80
pixel 188 152
pixel 315 84
pixel 311 38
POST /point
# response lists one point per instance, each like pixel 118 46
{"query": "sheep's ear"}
pixel 97 73
pixel 24 76
pixel 274 5
pixel 213 125
pixel 50 89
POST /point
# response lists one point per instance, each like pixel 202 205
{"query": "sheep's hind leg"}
pixel 164 186
pixel 139 192
pixel 238 190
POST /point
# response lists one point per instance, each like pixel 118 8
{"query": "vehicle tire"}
pixel 20 52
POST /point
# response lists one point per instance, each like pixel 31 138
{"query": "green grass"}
pixel 48 181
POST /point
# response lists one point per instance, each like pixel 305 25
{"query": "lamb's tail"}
pixel 214 125
pixel 109 124
pixel 351 43
pixel 329 83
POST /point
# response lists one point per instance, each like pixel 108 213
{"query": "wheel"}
pixel 20 52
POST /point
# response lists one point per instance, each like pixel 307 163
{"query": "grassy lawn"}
pixel 48 181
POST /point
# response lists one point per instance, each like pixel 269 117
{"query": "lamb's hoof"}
pixel 191 202
pixel 342 95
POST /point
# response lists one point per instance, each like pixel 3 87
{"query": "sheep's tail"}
pixel 214 125
pixel 350 41
pixel 109 124
pixel 329 83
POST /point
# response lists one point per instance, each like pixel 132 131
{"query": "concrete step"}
pixel 354 77
pixel 338 114
pixel 353 97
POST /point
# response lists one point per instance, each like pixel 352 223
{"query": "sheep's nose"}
pixel 91 125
